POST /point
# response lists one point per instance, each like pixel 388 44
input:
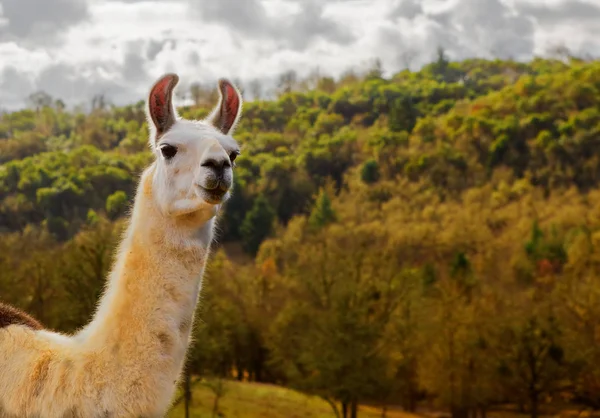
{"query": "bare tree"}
pixel 560 52
pixel 99 102
pixel 196 92
pixel 312 80
pixel 376 69
pixel 218 387
pixel 202 95
pixel 287 81
pixel 406 58
pixel 348 77
pixel 40 99
pixel 256 89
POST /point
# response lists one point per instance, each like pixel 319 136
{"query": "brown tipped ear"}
pixel 227 113
pixel 10 315
pixel 160 103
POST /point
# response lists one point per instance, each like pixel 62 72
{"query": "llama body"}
pixel 127 361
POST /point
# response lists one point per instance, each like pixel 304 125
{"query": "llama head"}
pixel 194 159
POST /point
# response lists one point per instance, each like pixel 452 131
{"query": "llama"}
pixel 128 360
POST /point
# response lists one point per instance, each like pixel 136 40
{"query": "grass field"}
pixel 256 400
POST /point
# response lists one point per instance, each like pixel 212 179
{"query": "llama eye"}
pixel 168 151
pixel 233 155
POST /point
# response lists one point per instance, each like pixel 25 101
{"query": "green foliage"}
pixel 322 213
pixel 257 224
pixel 235 210
pixel 460 265
pixel 370 172
pixel 116 204
pixel 403 115
pixel 92 217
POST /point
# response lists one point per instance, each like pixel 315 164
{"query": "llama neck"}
pixel 147 310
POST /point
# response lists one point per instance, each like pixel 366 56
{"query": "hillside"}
pixel 431 238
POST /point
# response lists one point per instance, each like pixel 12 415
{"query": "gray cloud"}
pixel 490 27
pixel 472 28
pixel 193 59
pixel 67 83
pixel 138 1
pixel 251 18
pixel 40 21
pixel 134 66
pixel 248 17
pixel 309 23
pixel 574 11
pixel 14 87
pixel 156 46
pixel 408 9
pixel 126 81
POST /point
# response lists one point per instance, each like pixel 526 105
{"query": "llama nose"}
pixel 218 167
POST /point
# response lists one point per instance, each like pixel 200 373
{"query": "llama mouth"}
pixel 213 196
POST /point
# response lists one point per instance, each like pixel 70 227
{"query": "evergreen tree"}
pixel 257 224
pixel 322 213
pixel 403 115
pixel 235 210
pixel 370 172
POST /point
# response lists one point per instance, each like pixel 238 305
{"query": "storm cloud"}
pixel 573 11
pixel 485 28
pixel 294 30
pixel 40 21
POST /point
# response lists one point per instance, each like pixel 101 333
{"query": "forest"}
pixel 428 240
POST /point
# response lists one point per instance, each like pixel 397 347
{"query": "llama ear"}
pixel 160 103
pixel 226 114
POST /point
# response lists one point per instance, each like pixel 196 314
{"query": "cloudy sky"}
pixel 74 49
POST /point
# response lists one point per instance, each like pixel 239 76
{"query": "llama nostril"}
pixel 210 163
pixel 216 164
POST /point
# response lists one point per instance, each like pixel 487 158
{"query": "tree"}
pixel 457 366
pixel 533 359
pixel 440 67
pixel 407 57
pixel 370 172
pixel 116 204
pixel 197 93
pixel 403 115
pixel 99 102
pixel 287 81
pixel 203 95
pixel 560 51
pixel 40 99
pixel 234 212
pixel 322 213
pixel 344 299
pixel 376 70
pixel 257 224
pixel 327 84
